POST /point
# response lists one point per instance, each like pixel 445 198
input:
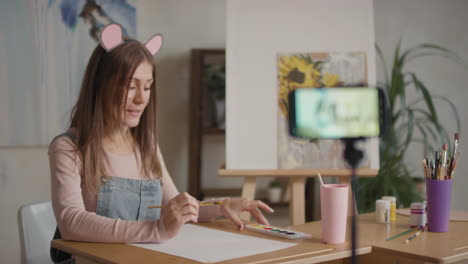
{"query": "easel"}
pixel 297 178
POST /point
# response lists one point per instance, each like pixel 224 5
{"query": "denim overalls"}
pixel 126 199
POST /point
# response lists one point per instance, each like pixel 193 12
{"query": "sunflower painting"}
pixel 313 70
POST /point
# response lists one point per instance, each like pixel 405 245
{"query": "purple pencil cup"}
pixel 439 194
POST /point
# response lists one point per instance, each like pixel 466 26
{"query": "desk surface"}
pixel 309 249
pixel 433 247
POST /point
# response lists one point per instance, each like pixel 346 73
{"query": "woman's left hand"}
pixel 232 207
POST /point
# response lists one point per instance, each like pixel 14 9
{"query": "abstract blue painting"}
pixel 44 48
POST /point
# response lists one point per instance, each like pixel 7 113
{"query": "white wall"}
pixel 185 24
pixel 24 178
pixel 442 23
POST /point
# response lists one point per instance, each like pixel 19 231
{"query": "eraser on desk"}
pixel 275 231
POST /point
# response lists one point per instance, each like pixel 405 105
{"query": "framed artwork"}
pixel 314 70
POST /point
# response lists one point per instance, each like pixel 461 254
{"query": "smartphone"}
pixel 334 113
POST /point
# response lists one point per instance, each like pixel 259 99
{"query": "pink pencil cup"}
pixel 334 210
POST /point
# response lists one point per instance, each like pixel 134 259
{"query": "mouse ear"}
pixel 111 36
pixel 154 43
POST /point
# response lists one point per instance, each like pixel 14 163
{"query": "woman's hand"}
pixel 232 207
pixel 180 210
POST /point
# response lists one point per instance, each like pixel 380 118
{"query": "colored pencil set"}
pixel 443 166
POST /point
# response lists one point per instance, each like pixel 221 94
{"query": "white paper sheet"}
pixel 210 245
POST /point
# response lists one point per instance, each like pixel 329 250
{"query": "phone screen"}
pixel 347 112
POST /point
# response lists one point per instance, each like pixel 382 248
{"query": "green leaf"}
pixel 431 127
pixel 410 124
pixel 427 96
pixel 382 59
pixel 318 65
pixel 424 140
pixel 396 116
pixel 396 79
pixel 306 58
pixel 453 107
pixel 439 51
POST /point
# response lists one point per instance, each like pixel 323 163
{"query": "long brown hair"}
pixel 102 97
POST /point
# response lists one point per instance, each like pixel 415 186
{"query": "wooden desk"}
pixel 309 250
pixel 429 247
pixel 451 247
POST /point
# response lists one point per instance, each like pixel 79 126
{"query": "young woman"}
pixel 107 169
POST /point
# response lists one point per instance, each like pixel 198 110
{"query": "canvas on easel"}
pixel 315 70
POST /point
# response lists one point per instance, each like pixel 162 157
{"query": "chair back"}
pixel 36 224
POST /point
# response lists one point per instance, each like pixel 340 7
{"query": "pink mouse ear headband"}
pixel 111 37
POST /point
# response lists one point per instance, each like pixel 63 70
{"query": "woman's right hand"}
pixel 179 210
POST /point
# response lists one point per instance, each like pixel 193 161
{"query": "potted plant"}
pixel 394 177
pixel 274 191
pixel 215 80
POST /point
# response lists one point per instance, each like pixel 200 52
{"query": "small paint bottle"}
pixel 382 211
pixel 392 200
pixel 418 215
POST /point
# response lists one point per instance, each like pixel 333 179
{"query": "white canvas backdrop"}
pixel 256 31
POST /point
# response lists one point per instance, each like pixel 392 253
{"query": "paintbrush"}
pixel 453 160
pixel 402 233
pixel 443 171
pixel 413 236
pixel 200 204
pixel 454 165
pixel 426 169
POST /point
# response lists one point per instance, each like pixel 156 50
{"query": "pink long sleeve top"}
pixel 74 206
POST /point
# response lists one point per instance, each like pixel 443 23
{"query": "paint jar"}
pixel 418 216
pixel 382 211
pixel 392 200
